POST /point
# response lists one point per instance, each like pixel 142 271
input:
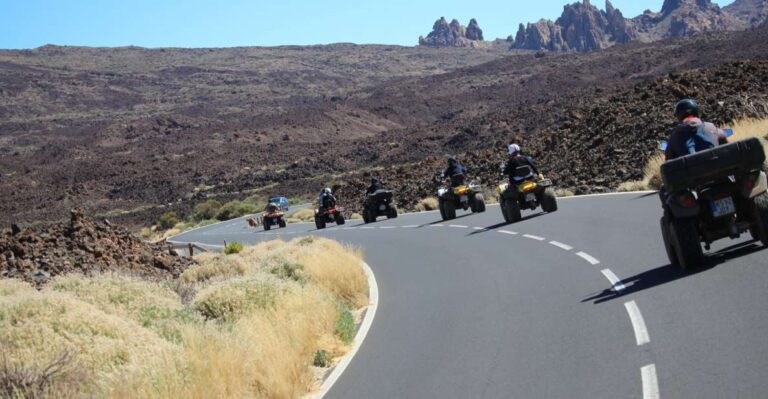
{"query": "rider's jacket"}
pixel 517 161
pixel 693 135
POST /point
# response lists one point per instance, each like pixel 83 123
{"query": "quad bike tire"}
pixel 549 200
pixel 478 204
pixel 684 237
pixel 512 213
pixel 449 209
pixel 367 218
pixel 392 213
pixel 442 210
pixel 319 223
pixel 760 229
pixel 339 218
pixel 267 225
pixel 281 223
pixel 671 254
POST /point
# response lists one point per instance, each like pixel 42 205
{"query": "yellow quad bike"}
pixel 533 191
pixel 466 196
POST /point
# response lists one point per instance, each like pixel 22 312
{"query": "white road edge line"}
pixel 512 233
pixel 615 282
pixel 532 237
pixel 561 245
pixel 589 258
pixel 365 326
pixel 650 382
pixel 638 323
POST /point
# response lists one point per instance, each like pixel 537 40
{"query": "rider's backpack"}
pixel 699 141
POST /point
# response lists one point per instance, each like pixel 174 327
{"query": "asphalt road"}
pixel 478 309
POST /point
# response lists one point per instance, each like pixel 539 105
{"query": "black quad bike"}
pixel 711 195
pixel 331 214
pixel 531 192
pixel 465 196
pixel 273 216
pixel 379 203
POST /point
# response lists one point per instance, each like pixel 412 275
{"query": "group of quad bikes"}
pixel 711 195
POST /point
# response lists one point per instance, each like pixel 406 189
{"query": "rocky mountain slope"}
pixel 751 12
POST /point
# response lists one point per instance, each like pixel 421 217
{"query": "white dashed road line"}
pixel 367 228
pixel 438 225
pixel 638 324
pixel 410 226
pixel 388 227
pixel 650 382
pixel 532 237
pixel 615 282
pixel 459 226
pixel 589 258
pixel 512 233
pixel 561 245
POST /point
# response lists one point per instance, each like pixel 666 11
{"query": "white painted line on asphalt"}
pixel 410 226
pixel 532 237
pixel 367 228
pixel 638 323
pixel 365 326
pixel 561 245
pixel 650 382
pixel 512 233
pixel 615 282
pixel 480 228
pixel 349 228
pixel 459 226
pixel 589 258
pixel 606 194
pixel 437 225
pixel 388 227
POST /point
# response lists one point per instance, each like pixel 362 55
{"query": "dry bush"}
pixel 56 378
pixel 427 204
pixel 356 216
pixel 563 192
pixel 303 215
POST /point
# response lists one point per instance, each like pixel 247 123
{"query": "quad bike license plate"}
pixel 464 198
pixel 530 197
pixel 722 207
pixel 382 207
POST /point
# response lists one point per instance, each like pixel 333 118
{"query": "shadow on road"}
pixel 446 221
pixel 505 224
pixel 668 273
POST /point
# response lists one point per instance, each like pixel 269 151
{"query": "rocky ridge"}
pixel 452 34
pixel 86 246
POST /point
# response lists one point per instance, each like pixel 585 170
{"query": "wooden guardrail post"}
pixel 191 250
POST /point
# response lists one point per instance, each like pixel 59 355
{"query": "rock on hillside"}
pixel 751 12
pixel 583 27
pixel 83 246
pixel 452 35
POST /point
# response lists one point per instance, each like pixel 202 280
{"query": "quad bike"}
pixel 465 196
pixel 711 195
pixel 531 192
pixel 379 203
pixel 331 214
pixel 273 216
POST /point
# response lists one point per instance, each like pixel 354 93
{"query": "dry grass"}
pixel 742 130
pixel 252 329
pixel 427 204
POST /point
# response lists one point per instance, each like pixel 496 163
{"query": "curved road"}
pixel 577 304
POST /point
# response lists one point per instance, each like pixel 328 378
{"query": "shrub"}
pixel 321 359
pixel 206 210
pixel 231 300
pixel 304 215
pixel 233 248
pixel 345 326
pixel 235 209
pixel 427 204
pixel 53 379
pixel 168 220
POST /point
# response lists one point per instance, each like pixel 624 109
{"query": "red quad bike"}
pixel 273 216
pixel 713 194
pixel 329 215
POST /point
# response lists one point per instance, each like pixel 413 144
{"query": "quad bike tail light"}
pixel 686 200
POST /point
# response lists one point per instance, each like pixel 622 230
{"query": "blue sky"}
pixel 227 23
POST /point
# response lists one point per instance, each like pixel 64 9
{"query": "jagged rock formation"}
pixel 753 13
pixel 583 27
pixel 452 35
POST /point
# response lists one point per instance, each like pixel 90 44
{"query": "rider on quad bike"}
pixel 378 202
pixel 516 160
pixel 328 210
pixel 455 171
pixel 711 189
pixel 326 200
pixel 527 188
pixel 273 216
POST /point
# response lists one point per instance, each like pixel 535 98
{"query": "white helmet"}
pixel 326 190
pixel 513 149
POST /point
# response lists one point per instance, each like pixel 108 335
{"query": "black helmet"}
pixel 687 107
pixel 375 180
pixel 452 160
